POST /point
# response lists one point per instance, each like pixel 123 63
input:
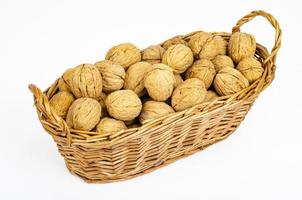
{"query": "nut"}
pixel 214 46
pixel 61 102
pixel 190 93
pixel 204 70
pixel 84 114
pixel 229 81
pixel 109 126
pixel 179 57
pixel 153 54
pixel 65 80
pixel 135 77
pixel 123 105
pixel 101 100
pixel 125 54
pixel 113 76
pixel 159 82
pixel 210 96
pixel 153 109
pixel 178 80
pixel 174 41
pixel 250 68
pixel 197 42
pixel 241 45
pixel 222 61
pixel 86 81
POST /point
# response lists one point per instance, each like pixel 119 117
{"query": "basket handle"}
pixel 43 106
pixel 272 21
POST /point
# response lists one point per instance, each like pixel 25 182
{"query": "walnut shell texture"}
pixel 153 109
pixel 190 93
pixel 84 114
pixel 61 102
pixel 123 105
pixel 222 61
pixel 214 46
pixel 109 126
pixel 178 80
pixel 197 42
pixel 65 80
pixel 101 100
pixel 153 53
pixel 250 68
pixel 210 96
pixel 174 41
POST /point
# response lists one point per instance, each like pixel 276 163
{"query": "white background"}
pixel 40 39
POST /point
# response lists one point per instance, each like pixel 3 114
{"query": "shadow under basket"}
pixel 137 151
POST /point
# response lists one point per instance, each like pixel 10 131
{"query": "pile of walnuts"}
pixel 132 87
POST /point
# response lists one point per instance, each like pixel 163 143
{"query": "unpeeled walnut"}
pixel 250 68
pixel 159 82
pixel 86 81
pixel 65 80
pixel 84 114
pixel 214 46
pixel 135 77
pixel 113 76
pixel 241 45
pixel 210 96
pixel 123 105
pixel 190 93
pixel 204 70
pixel 229 81
pixel 174 41
pixel 178 80
pixel 153 54
pixel 153 110
pixel 61 102
pixel 109 125
pixel 101 100
pixel 222 61
pixel 125 54
pixel 179 57
pixel 197 41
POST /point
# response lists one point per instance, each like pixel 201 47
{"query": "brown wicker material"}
pixel 136 151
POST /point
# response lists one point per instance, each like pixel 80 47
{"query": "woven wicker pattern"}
pixel 136 151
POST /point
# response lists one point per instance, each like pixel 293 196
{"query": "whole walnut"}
pixel 153 110
pixel 86 81
pixel 113 75
pixel 210 96
pixel 84 114
pixel 229 81
pixel 159 82
pixel 135 77
pixel 65 80
pixel 190 93
pixel 214 46
pixel 109 126
pixel 153 54
pixel 123 105
pixel 101 100
pixel 178 80
pixel 125 54
pixel 61 102
pixel 222 61
pixel 204 70
pixel 197 41
pixel 174 41
pixel 250 68
pixel 241 45
pixel 179 57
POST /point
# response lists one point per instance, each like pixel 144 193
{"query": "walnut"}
pixel 125 54
pixel 204 70
pixel 190 93
pixel 101 100
pixel 241 45
pixel 153 110
pixel 123 105
pixel 86 81
pixel 159 82
pixel 222 61
pixel 109 126
pixel 84 114
pixel 135 77
pixel 178 80
pixel 229 81
pixel 61 102
pixel 174 41
pixel 210 96
pixel 179 57
pixel 65 80
pixel 250 68
pixel 153 54
pixel 214 46
pixel 197 41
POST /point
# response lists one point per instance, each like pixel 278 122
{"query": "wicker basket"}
pixel 136 151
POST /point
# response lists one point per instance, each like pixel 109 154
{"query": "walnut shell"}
pixel 174 41
pixel 84 114
pixel 101 100
pixel 113 75
pixel 153 54
pixel 222 61
pixel 153 109
pixel 210 96
pixel 123 105
pixel 229 81
pixel 204 70
pixel 250 68
pixel 179 57
pixel 214 46
pixel 197 41
pixel 241 45
pixel 109 125
pixel 135 77
pixel 190 93
pixel 125 54
pixel 159 82
pixel 65 80
pixel 61 102
pixel 178 80
pixel 86 81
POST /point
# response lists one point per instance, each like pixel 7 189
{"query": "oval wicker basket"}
pixel 136 151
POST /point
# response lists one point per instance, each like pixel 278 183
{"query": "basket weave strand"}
pixel 133 152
